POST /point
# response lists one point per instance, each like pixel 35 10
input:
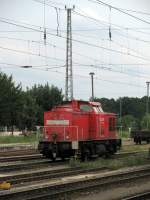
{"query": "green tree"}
pixel 29 112
pixel 46 97
pixel 145 123
pixel 25 109
pixel 131 106
pixel 10 101
pixel 108 105
pixel 128 121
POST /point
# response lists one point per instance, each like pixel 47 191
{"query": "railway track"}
pixel 25 162
pixel 126 154
pixel 56 188
pixel 21 157
pixel 26 165
pixel 41 175
pixel 37 155
pixel 8 153
pixel 142 196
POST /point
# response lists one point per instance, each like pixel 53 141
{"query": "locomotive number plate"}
pixel 57 122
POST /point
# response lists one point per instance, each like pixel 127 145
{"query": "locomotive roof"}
pixel 82 101
pixel 68 105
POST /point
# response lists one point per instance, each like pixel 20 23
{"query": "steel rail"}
pixel 36 160
pixel 54 191
pixel 10 167
pixel 48 174
pixel 20 152
pixel 37 155
pixel 21 158
pixel 133 153
pixel 141 196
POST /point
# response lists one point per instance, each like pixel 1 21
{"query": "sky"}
pixel 121 65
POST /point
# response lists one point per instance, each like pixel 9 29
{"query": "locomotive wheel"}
pixel 62 158
pixel 100 149
pixel 107 155
pixel 112 149
pixel 50 156
pixel 85 155
pixel 53 156
pixel 53 159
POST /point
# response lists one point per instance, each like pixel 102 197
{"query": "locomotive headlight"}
pixel 67 137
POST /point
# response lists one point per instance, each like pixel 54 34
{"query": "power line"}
pixel 135 11
pixel 14 22
pixel 116 71
pixel 37 54
pixel 79 75
pixel 113 82
pixel 57 3
pixel 104 48
pixel 77 54
pixel 19 25
pixel 104 22
pixel 83 14
pixel 134 38
pixel 89 44
pixel 95 66
pixel 23 24
pixel 120 10
pixel 103 28
pixel 79 41
pixel 53 45
pixel 80 64
pixel 31 53
pixel 121 45
pixel 33 66
pixel 50 5
pixel 15 31
pixel 128 48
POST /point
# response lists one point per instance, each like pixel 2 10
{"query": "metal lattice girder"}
pixel 69 74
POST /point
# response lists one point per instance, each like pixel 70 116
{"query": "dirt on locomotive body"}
pixel 79 128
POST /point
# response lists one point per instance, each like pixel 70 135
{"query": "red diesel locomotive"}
pixel 78 127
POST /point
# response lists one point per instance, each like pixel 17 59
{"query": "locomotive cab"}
pixel 78 127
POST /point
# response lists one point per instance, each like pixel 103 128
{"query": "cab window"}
pixel 97 109
pixel 86 108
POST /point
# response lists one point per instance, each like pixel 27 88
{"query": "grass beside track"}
pixel 134 147
pixel 17 139
pixel 114 163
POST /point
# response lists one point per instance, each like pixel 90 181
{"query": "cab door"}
pixel 111 126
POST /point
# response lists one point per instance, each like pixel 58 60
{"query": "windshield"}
pixel 86 108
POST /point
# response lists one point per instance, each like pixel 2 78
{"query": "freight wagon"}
pixel 140 135
pixel 79 127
